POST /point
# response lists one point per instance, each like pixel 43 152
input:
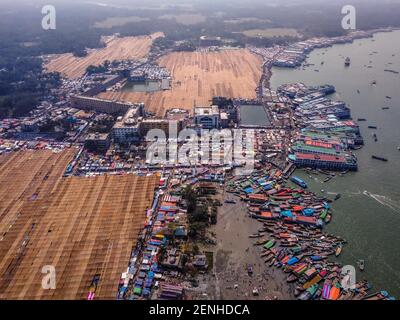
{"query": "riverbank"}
pixel 368 213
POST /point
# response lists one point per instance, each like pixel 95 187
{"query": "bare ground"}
pixel 234 252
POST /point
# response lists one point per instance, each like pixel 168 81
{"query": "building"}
pixel 324 161
pixel 105 106
pixel 127 128
pixel 206 41
pixel 103 85
pixel 162 124
pixel 98 142
pixel 207 117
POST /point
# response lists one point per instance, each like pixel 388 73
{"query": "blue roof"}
pixel 248 190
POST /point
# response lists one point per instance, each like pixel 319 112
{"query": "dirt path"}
pixel 235 251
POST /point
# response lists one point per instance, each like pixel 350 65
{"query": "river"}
pixel 368 213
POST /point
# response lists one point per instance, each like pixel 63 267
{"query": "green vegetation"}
pixel 202 210
pixel 118 22
pixel 186 19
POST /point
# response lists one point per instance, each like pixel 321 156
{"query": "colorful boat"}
pixel 326 290
pixel 335 292
pixel 299 182
pixel 312 282
pixel 269 244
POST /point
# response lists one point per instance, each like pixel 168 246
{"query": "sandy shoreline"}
pixel 234 252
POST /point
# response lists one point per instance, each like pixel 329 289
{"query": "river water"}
pixel 253 115
pixel 368 213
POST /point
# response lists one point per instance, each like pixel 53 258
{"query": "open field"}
pixel 116 49
pixel 198 77
pixel 81 226
pixel 247 19
pixel 111 22
pixel 186 19
pixel 272 32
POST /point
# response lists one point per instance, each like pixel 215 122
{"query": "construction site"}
pixel 198 77
pixel 84 227
pixel 125 48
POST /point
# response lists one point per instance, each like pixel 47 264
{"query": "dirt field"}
pixel 116 49
pixel 199 76
pixel 82 226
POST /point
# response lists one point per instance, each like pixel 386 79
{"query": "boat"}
pixel 338 196
pixel 385 108
pixel 326 290
pixel 309 293
pixel 269 244
pixel 372 127
pixel 388 97
pixel 250 270
pixel 392 71
pixel 335 293
pixel 272 262
pixel 347 62
pixel 380 158
pixel 291 278
pixel 361 264
pixel 338 250
pixel 361 119
pixel 299 182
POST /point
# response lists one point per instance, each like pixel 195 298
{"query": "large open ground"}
pixel 116 49
pixel 84 227
pixel 198 77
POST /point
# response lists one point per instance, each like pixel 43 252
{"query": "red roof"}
pixel 320 157
pixel 319 144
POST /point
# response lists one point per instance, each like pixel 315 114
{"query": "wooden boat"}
pixel 326 289
pixel 309 293
pixel 361 264
pixel 338 250
pixel 269 244
pixel 347 295
pixel 291 278
pixel 334 293
pixel 272 262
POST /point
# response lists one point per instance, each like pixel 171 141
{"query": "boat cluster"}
pixel 291 238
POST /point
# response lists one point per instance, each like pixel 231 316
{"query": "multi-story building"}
pixel 324 161
pixel 99 142
pixel 210 41
pixel 105 106
pixel 162 124
pixel 207 117
pixel 127 128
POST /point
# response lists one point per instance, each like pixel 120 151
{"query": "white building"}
pixel 207 117
pixel 127 128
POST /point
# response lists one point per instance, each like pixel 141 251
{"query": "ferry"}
pixel 299 182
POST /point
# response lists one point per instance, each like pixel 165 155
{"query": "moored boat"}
pixel 338 250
